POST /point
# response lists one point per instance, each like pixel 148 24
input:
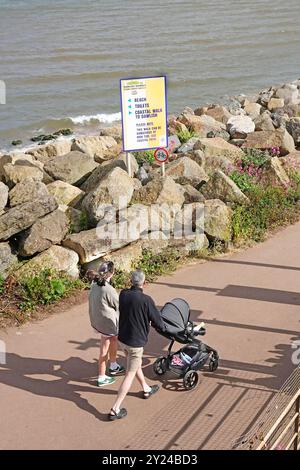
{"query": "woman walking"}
pixel 104 317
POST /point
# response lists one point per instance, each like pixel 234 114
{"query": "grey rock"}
pixel 3 196
pixel 24 215
pixel 73 168
pixel 7 259
pixel 27 191
pixel 46 231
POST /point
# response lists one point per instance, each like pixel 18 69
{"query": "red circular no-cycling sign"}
pixel 161 155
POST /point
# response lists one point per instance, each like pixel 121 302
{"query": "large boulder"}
pixel 189 229
pixel 219 113
pixel 64 193
pixel 289 93
pixel 252 109
pixel 7 259
pixel 197 156
pixel 14 174
pixel 235 107
pixel 291 161
pixel 47 231
pixel 3 196
pixel 160 190
pixel 191 194
pixel 90 244
pixel 138 220
pixel 95 146
pixel 175 126
pixel 73 168
pixel 24 215
pixel 265 96
pixel 219 162
pixel 113 131
pixel 275 103
pixel 240 126
pixel 56 257
pixel 185 170
pixel 20 158
pixel 264 122
pixel 184 245
pixel 201 124
pixel 222 134
pixel 116 188
pixel 220 186
pixel 188 146
pixel 43 153
pixel 264 140
pixel 216 147
pixel 279 118
pixel 293 128
pixel 274 173
pixel 100 173
pixel 217 220
pixel 78 220
pixel 132 161
pixel 26 191
pixel 124 259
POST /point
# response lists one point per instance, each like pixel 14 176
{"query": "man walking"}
pixel 137 311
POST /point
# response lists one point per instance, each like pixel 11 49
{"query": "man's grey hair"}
pixel 137 278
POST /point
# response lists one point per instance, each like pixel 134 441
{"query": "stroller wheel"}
pixel 213 364
pixel 190 380
pixel 160 366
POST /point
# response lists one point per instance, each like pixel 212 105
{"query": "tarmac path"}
pixel 250 302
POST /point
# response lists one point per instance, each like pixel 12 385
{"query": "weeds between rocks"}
pixel 270 206
pixel 185 135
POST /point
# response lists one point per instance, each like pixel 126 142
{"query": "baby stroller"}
pixel 191 358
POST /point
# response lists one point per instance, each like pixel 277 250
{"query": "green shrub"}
pixel 121 279
pixel 269 207
pixel 155 264
pixel 255 157
pixel 45 288
pixel 152 264
pixel 243 180
pixel 185 135
pixel 144 156
pixel 83 221
pixel 249 169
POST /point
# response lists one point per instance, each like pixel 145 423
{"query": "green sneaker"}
pixel 106 381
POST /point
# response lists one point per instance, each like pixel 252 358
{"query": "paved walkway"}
pixel 251 304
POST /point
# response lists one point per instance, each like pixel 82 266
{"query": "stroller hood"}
pixel 175 315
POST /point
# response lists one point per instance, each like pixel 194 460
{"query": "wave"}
pixel 105 118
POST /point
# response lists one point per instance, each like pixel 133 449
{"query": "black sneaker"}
pixel 119 370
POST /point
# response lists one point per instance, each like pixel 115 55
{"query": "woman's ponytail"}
pixel 105 271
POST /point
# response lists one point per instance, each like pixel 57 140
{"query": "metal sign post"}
pixel 128 163
pixel 161 155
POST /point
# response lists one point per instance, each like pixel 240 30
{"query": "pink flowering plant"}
pixel 249 168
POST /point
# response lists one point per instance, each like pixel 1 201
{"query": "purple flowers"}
pixel 249 168
pixel 275 151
